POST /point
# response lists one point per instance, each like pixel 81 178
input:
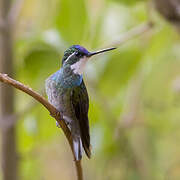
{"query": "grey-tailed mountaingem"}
pixel 67 92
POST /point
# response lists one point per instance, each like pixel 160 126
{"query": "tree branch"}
pixel 53 112
pixel 134 32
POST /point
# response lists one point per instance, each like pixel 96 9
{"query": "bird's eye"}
pixel 78 53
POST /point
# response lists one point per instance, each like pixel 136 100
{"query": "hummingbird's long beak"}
pixel 100 51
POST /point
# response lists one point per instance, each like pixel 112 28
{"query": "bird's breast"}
pixel 65 78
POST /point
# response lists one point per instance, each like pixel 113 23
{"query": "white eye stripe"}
pixel 69 57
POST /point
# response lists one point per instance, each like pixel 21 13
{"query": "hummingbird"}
pixel 67 92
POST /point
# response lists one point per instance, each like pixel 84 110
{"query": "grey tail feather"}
pixel 77 146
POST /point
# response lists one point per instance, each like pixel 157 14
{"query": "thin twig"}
pixel 15 11
pixel 139 30
pixel 53 111
pixel 79 170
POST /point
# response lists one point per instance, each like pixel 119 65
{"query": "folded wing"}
pixel 80 102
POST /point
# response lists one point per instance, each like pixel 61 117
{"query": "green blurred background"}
pixel 134 91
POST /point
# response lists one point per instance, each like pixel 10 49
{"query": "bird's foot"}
pixel 67 120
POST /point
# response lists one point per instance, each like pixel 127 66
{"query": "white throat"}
pixel 78 67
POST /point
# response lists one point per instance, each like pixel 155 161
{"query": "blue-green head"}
pixel 76 56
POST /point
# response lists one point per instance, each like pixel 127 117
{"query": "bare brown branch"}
pixel 6 79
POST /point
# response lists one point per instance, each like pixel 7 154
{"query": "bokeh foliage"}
pixel 134 91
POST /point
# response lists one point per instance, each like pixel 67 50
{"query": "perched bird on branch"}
pixel 67 92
